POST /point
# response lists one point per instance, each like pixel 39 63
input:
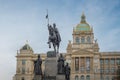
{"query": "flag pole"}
pixel 47 17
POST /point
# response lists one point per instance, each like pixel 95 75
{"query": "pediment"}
pixel 82 52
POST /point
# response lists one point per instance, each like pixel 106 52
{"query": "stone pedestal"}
pixel 60 77
pixel 51 67
pixel 37 77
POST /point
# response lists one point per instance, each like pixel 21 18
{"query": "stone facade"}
pixel 83 55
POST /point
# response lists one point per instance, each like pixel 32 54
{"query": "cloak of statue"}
pixel 61 64
pixel 67 72
pixel 37 66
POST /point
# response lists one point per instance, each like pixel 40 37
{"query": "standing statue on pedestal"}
pixel 54 36
pixel 67 72
pixel 38 69
pixel 61 64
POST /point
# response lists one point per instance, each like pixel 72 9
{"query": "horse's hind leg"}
pixel 49 45
pixel 54 47
pixel 58 48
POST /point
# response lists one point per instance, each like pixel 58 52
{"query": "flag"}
pixel 47 16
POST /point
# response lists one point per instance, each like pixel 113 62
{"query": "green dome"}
pixel 83 25
pixel 26 47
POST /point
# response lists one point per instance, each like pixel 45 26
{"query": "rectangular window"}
pixel 107 71
pixel 106 61
pixel 23 62
pixel 112 61
pixel 101 61
pixel 102 78
pixel 22 78
pixel 77 64
pixel 88 64
pixel 82 64
pixel 101 71
pixel 82 69
pixel 113 70
pixel 118 61
pixel 23 70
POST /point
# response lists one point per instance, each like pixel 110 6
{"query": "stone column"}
pixel 79 64
pixel 73 64
pixel 91 65
pixel 85 65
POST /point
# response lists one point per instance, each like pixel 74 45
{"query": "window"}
pixel 77 64
pixel 22 78
pixel 23 70
pixel 112 61
pixel 76 78
pixel 107 71
pixel 82 69
pixel 102 78
pixel 77 40
pixel 118 61
pixel 87 77
pixel 82 40
pixel 101 61
pixel 113 70
pixel 88 64
pixel 23 62
pixel 88 39
pixel 106 61
pixel 82 64
pixel 101 70
pixel 107 78
pixel 82 77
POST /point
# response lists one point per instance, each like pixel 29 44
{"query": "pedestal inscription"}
pixel 51 66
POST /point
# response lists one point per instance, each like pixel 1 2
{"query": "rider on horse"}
pixel 54 36
pixel 57 33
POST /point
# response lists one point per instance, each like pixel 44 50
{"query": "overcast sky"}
pixel 22 20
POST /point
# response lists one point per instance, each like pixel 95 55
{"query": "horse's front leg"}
pixel 58 48
pixel 49 45
pixel 54 47
pixel 49 42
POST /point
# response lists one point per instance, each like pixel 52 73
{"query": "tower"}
pixel 24 67
pixel 83 37
pixel 83 52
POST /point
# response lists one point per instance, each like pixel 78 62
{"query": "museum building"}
pixel 82 54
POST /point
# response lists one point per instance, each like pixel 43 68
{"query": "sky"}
pixel 22 20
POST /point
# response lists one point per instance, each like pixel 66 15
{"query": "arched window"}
pixel 76 77
pixel 82 77
pixel 22 78
pixel 82 40
pixel 88 39
pixel 77 40
pixel 87 77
